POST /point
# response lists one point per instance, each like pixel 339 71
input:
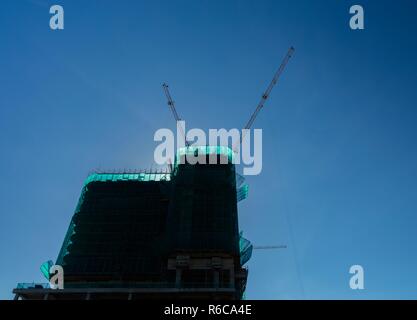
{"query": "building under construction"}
pixel 162 235
pixel 167 234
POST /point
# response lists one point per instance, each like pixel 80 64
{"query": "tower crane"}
pixel 171 105
pixel 265 96
pixel 260 105
pixel 269 247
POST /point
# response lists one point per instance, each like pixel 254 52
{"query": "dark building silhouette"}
pixel 156 235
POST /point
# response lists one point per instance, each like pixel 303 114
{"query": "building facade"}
pixel 156 235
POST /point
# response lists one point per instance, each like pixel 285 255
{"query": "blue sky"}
pixel 339 179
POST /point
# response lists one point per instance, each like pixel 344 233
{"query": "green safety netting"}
pixel 204 150
pixel 242 192
pixel 106 177
pixel 192 191
pixel 239 180
pixel 45 267
pixel 32 285
pixel 67 242
pixel 116 177
pixel 103 177
pixel 245 248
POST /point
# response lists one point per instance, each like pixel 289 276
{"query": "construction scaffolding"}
pixel 159 230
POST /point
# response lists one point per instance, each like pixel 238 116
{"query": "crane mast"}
pixel 171 105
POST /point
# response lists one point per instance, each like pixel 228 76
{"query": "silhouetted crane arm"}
pixel 174 111
pixel 267 93
pixel 269 247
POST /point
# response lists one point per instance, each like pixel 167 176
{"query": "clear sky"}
pixel 339 179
